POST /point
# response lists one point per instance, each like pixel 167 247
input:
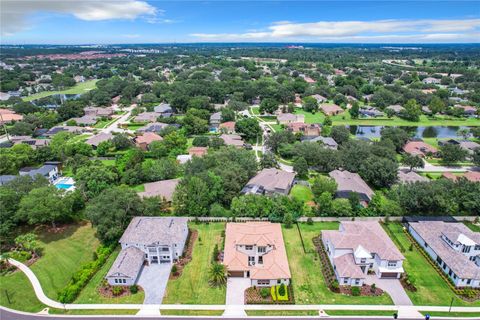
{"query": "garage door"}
pixel 236 274
pixel 389 275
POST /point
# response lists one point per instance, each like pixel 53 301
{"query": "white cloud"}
pixel 15 13
pixel 378 30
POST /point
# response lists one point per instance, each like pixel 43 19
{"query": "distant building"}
pixel 328 142
pixel 270 181
pixel 163 110
pixel 48 171
pixel 198 151
pixel 232 140
pixel 349 182
pixel 419 148
pixel 430 80
pixel 309 130
pixel 163 189
pixel 407 176
pixel 99 138
pixel 286 118
pixel 368 111
pixel 144 141
pixel 215 119
pixel 330 109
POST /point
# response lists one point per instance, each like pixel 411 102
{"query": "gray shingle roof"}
pixel 272 179
pixel 368 234
pixel 150 230
pixel 163 189
pixel 128 263
pixel 348 181
pixel 431 232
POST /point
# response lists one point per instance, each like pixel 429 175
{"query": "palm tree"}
pixel 217 275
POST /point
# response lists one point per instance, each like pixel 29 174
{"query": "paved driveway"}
pixel 235 290
pixel 393 287
pixel 153 279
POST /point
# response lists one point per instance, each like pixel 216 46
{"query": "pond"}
pixel 417 132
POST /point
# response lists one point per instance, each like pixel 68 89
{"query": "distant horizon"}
pixel 249 43
pixel 66 22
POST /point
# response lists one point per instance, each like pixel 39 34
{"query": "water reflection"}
pixel 417 132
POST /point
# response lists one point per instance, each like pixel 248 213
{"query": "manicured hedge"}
pixel 80 278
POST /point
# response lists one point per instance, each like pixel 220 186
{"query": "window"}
pixel 466 249
pixel 164 249
pixel 357 281
pixel 469 281
pixel 477 247
pixel 251 260
pixel 392 263
pixel 116 280
pixel 262 249
pixel 124 281
pixel 279 281
pixel 263 282
pixel 363 260
pixel 345 280
pixel 248 247
pixel 260 260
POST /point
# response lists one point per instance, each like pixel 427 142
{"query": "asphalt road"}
pixel 8 315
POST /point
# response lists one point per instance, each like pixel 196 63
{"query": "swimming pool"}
pixel 65 183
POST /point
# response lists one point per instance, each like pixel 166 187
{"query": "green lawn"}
pixel 276 127
pixel 138 187
pixel 360 312
pixel 431 288
pixel 452 314
pixel 302 193
pixel 438 162
pixel 307 279
pixel 280 313
pixel 63 253
pixel 79 88
pixel 108 162
pixel 136 126
pixel 192 286
pixel 94 312
pixel 90 294
pixel 20 291
pixel 191 312
pixel 472 226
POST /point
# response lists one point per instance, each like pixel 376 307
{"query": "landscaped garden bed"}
pixel 109 291
pixel 178 267
pixel 269 295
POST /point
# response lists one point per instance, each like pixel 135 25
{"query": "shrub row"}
pixel 327 269
pixel 80 278
pixel 467 292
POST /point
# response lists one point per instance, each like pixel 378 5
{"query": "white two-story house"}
pixel 256 250
pixel 359 247
pixel 453 246
pixel 148 240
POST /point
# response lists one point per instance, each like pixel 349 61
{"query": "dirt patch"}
pixel 178 266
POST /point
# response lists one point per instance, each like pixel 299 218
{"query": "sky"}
pixel 146 21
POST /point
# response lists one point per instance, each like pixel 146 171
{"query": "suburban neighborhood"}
pixel 228 179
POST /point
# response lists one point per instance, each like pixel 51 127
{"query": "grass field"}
pixel 472 226
pixel 360 312
pixel 63 253
pixel 79 88
pixel 90 294
pixel 431 288
pixel 192 286
pixel 93 312
pixel 302 193
pixel 309 286
pixel 281 313
pixel 191 312
pixel 452 314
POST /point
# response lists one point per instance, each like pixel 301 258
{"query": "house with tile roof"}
pixel 270 181
pixel 147 240
pixel 256 250
pixel 419 148
pixel 163 189
pixel 454 248
pixel 143 141
pixel 359 247
pixel 350 182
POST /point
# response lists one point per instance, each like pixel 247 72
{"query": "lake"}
pixel 417 132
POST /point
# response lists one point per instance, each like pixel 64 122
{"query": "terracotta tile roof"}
pixel 330 108
pixel 275 262
pixel 229 125
pixel 148 137
pixel 419 148
pixel 473 176
pixel 197 151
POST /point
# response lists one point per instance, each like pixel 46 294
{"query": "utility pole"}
pixel 451 303
pixel 4 126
